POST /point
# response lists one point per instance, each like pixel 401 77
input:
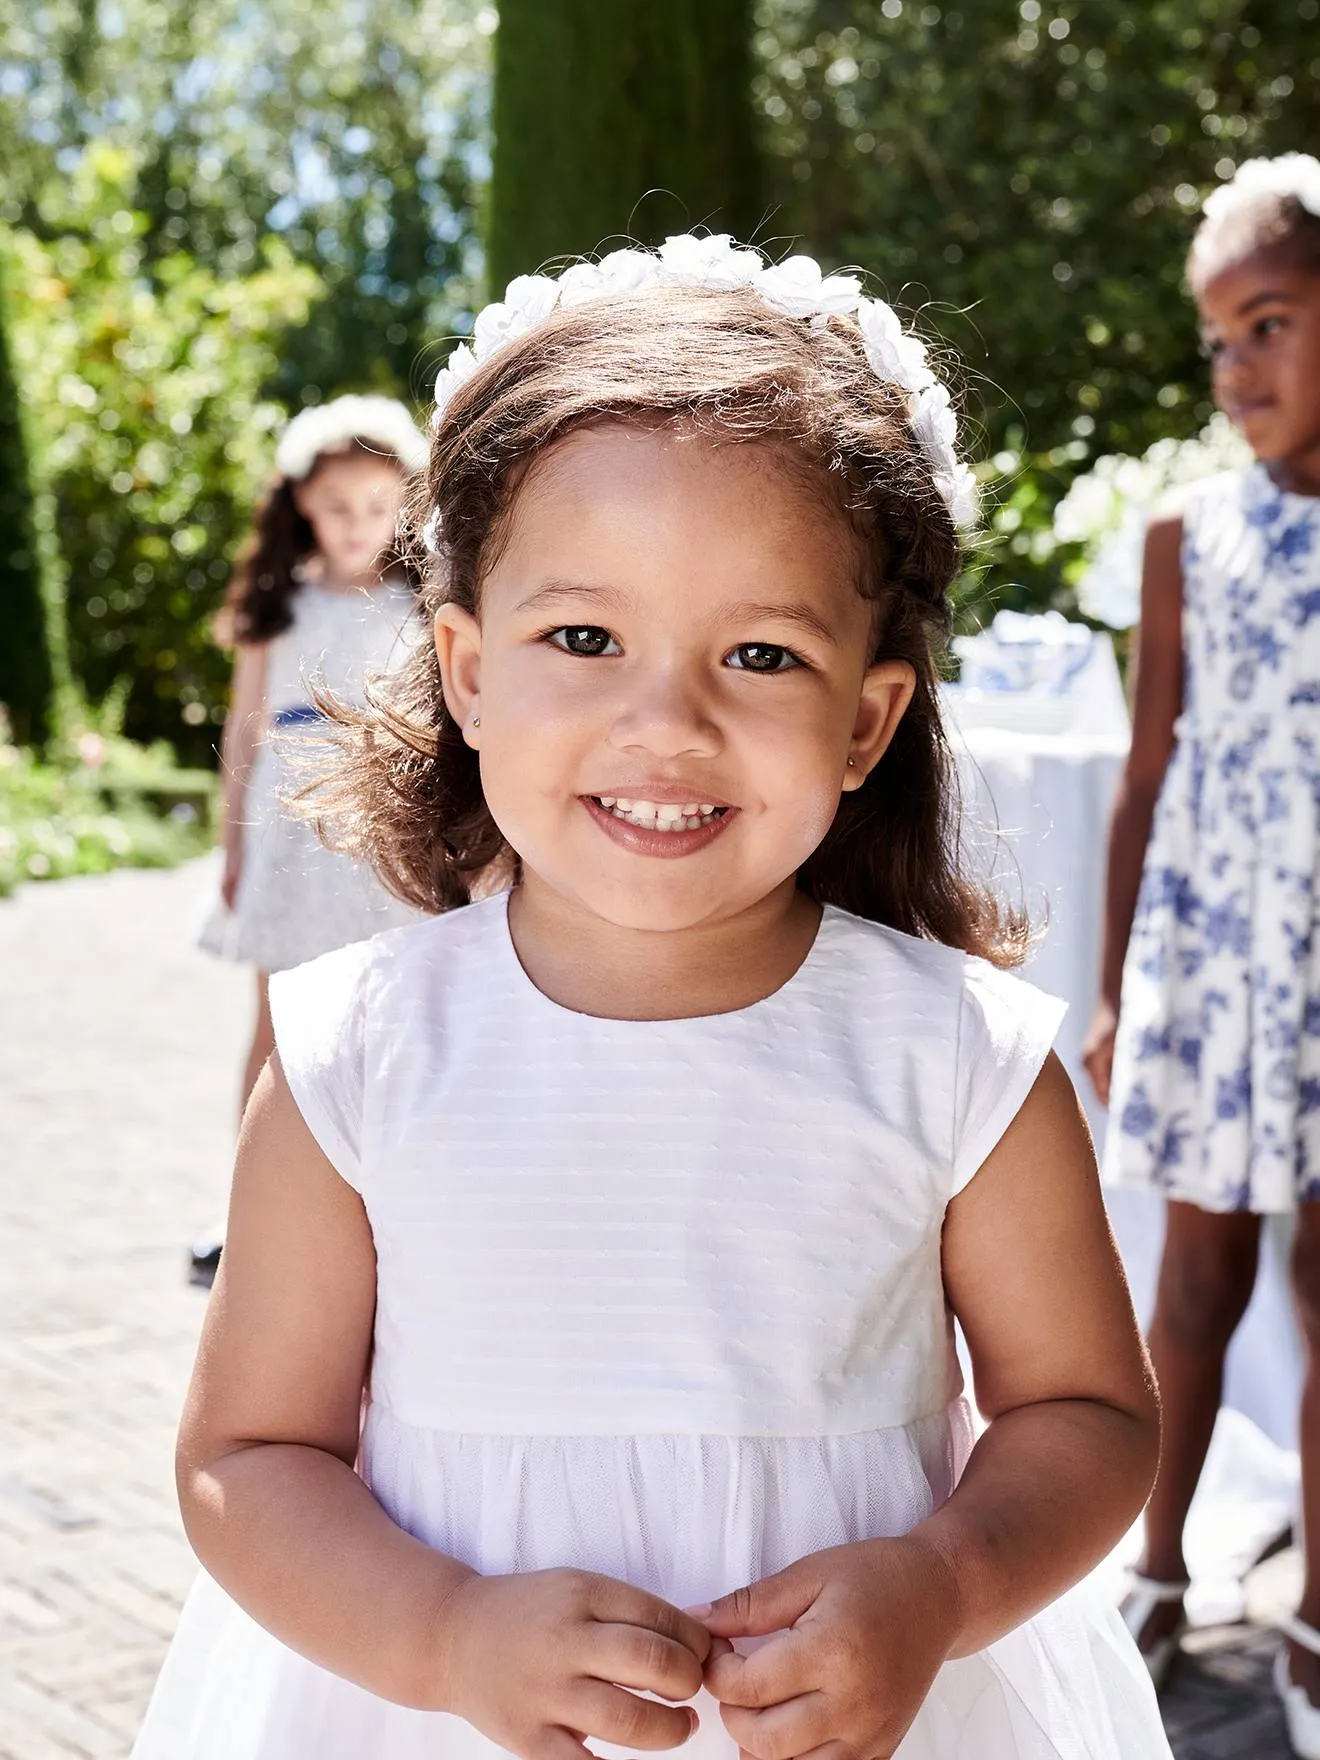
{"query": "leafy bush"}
pixel 97 801
pixel 152 439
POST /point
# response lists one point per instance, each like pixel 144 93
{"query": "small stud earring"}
pixel 476 722
pixel 852 763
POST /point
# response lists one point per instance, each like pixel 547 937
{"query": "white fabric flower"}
pixel 1291 174
pixel 626 271
pixel 527 301
pixel 376 421
pixel 894 355
pixel 935 424
pixel 714 261
pixel 796 286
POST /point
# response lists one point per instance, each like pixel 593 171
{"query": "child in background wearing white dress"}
pixel 641 1196
pixel 1214 856
pixel 321 596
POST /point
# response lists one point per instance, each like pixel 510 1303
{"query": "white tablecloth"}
pixel 1050 795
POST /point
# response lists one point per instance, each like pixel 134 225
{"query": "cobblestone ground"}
pixel 119 1048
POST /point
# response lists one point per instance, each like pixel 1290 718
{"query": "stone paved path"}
pixel 119 1049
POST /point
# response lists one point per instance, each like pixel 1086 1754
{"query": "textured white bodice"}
pixel 599 1227
pixel 338 637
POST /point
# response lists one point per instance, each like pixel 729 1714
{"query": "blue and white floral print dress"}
pixel 1216 1089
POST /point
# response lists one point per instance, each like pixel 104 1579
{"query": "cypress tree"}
pixel 27 680
pixel 628 118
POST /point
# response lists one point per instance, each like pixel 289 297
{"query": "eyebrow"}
pixel 552 591
pixel 1260 299
pixel 800 615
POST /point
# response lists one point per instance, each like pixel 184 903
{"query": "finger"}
pixel 768 1605
pixel 779 1670
pixel 614 1603
pixel 784 1731
pixel 635 1656
pixel 559 1744
pixel 611 1715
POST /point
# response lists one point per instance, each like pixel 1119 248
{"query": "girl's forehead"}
pixel 648 509
pixel 1233 289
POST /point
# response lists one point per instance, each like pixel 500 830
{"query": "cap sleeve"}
pixel 318 1011
pixel 1005 1032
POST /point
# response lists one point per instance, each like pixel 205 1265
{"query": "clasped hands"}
pixel 542 1661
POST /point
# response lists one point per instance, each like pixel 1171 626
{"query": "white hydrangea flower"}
pixel 329 427
pixel 1291 174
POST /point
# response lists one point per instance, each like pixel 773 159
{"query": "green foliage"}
pixel 154 437
pixel 27 676
pixel 95 801
pixel 628 119
pixel 1027 174
pixel 352 132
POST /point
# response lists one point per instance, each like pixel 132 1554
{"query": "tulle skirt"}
pixel 688 1517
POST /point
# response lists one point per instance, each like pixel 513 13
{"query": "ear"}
pixel 886 692
pixel 458 649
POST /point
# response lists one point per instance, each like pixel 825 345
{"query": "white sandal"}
pixel 1144 1595
pixel 1303 1718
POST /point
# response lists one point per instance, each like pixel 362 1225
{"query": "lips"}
pixel 647 827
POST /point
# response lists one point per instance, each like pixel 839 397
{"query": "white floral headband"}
pixel 796 286
pixel 1291 174
pixel 376 421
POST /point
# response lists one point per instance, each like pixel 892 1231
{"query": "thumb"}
pixel 771 1604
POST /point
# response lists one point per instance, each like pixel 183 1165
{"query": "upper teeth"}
pixel 660 816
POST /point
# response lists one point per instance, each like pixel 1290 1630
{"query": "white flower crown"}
pixel 796 286
pixel 376 421
pixel 1291 174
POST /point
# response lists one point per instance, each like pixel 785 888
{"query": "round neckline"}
pixel 522 980
pixel 1262 473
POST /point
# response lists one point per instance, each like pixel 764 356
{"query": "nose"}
pixel 666 714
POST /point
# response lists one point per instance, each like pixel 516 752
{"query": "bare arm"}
pixel 1066 1464
pixel 1157 701
pixel 277 1514
pixel 1064 1467
pixel 245 726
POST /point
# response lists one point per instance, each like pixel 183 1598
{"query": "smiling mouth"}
pixel 660 815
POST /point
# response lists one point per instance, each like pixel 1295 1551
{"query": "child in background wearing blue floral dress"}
pixel 1213 1079
pixel 640 1195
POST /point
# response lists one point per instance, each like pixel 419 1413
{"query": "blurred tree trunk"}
pixel 27 677
pixel 617 118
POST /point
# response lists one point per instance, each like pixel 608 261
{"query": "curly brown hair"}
pixel 269 572
pixel 406 794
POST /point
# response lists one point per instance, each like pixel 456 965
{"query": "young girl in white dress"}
pixel 321 598
pixel 639 1199
pixel 1215 1095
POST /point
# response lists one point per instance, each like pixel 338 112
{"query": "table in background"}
pixel 1050 796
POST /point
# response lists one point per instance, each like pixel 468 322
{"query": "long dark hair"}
pixel 406 792
pixel 269 572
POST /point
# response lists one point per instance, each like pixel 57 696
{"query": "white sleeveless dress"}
pixel 1216 1089
pixel 658 1299
pixel 296 898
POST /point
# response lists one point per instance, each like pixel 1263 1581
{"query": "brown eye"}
pixel 584 638
pixel 762 657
